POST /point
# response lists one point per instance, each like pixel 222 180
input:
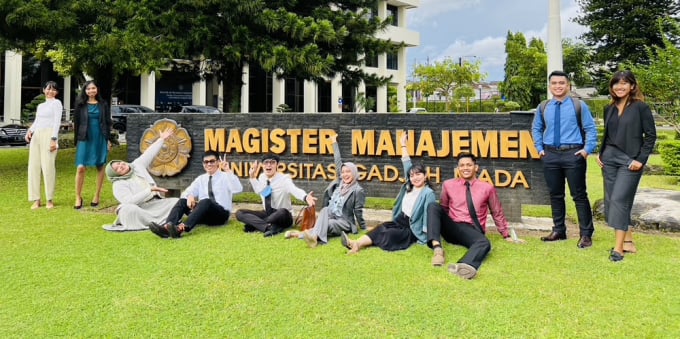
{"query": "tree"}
pixel 467 92
pixel 621 30
pixel 659 81
pixel 310 40
pixel 576 59
pixel 444 77
pixel 525 71
pixel 101 39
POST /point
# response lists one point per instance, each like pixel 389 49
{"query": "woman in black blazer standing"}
pixel 92 126
pixel 629 137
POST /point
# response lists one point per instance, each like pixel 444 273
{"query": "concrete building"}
pixel 261 92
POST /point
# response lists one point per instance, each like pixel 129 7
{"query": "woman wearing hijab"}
pixel 409 216
pixel 141 203
pixel 343 202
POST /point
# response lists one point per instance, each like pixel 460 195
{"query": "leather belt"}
pixel 563 148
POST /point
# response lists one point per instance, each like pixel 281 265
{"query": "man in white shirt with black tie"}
pixel 208 200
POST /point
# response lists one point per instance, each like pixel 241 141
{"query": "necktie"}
pixel 211 195
pixel 267 193
pixel 558 122
pixel 471 207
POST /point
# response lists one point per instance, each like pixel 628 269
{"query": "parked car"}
pixel 199 109
pixel 119 115
pixel 417 110
pixel 13 134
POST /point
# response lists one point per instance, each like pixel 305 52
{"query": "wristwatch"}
pixel 54 138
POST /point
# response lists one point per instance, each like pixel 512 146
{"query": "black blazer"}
pixel 636 131
pixel 80 120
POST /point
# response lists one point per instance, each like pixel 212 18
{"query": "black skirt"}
pixel 393 235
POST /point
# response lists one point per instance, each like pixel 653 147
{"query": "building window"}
pixel 392 61
pixel 371 59
pixel 393 14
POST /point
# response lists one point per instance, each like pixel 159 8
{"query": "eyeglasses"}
pixel 269 162
pixel 209 162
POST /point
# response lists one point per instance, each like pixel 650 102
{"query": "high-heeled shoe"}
pixel 79 206
pixel 94 204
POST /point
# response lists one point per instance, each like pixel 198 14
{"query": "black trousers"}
pixel 260 220
pixel 440 225
pixel 206 212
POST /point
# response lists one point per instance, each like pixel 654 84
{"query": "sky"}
pixel 476 29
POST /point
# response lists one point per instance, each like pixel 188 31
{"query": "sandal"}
pixel 615 256
pixel 629 247
pixel 50 204
pixel 36 204
pixel 344 239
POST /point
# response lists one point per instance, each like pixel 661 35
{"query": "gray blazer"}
pixel 353 207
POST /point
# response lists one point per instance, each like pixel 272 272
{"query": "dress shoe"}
pixel 159 230
pixel 554 236
pixel 175 231
pixel 439 258
pixel 272 231
pixel 585 242
pixel 249 229
pixel 463 270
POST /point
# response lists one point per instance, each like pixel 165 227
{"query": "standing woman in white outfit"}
pixel 43 138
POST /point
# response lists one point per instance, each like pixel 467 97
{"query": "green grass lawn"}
pixel 63 276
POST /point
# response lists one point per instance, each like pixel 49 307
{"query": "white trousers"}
pixel 41 159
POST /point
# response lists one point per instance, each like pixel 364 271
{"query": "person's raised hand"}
pixel 255 167
pixel 311 200
pixel 167 133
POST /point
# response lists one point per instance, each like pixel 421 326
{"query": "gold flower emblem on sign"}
pixel 174 155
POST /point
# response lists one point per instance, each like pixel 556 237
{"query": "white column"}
pixel 311 97
pixel 12 107
pixel 245 89
pixel 361 93
pixel 199 91
pixel 147 95
pixel 278 92
pixel 220 96
pixel 381 105
pixel 67 98
pixel 554 38
pixel 336 94
pixel 401 79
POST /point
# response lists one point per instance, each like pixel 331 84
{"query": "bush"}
pixel 670 154
pixel 66 141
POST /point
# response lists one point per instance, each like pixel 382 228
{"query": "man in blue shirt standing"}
pixel 564 144
pixel 208 200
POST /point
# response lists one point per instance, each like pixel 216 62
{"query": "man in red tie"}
pixel 460 218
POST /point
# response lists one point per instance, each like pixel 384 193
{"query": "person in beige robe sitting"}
pixel 141 201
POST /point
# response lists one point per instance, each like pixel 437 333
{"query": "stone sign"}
pixel 502 142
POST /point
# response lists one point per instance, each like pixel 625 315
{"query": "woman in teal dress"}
pixel 92 126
